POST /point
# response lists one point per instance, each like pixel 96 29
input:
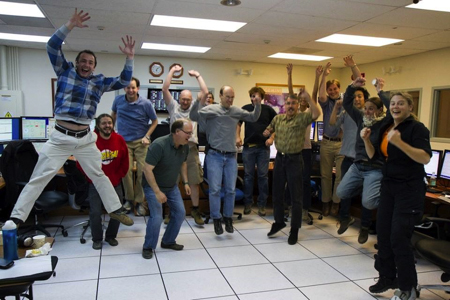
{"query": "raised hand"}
pixel 349 62
pixel 338 104
pixel 191 73
pixel 77 19
pixel 177 68
pixel 365 133
pixel 319 71
pixel 380 84
pixel 289 68
pixel 128 48
pixel 327 70
pixel 359 82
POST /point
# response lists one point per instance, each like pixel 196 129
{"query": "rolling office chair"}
pixel 437 251
pixel 205 189
pixel 17 164
pixel 77 187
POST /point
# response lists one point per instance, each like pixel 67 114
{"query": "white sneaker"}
pixel 404 295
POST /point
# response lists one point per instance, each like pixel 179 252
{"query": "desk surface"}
pixel 22 250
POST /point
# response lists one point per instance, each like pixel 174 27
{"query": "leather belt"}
pixel 221 152
pixel 332 139
pixel 369 164
pixel 76 134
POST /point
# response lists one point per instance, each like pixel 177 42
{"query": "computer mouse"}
pixel 445 193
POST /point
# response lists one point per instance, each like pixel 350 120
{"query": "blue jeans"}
pixel 221 169
pixel 177 214
pixel 261 157
pixel 367 177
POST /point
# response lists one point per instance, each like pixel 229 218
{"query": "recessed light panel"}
pixel 358 40
pixel 24 37
pixel 195 23
pixel 436 5
pixel 20 9
pixel 181 48
pixel 299 56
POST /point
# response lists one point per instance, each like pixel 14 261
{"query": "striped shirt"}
pixel 76 97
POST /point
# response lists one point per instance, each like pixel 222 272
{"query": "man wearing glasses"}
pixel 181 109
pixel 166 156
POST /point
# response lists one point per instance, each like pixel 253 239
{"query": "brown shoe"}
pixel 326 209
pixel 334 209
pixel 120 215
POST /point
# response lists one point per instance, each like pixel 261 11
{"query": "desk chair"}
pixel 17 164
pixel 204 186
pixel 77 187
pixel 437 251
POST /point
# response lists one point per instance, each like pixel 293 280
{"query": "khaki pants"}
pixel 329 154
pixel 138 151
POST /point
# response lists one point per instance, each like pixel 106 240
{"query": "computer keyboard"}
pixel 433 190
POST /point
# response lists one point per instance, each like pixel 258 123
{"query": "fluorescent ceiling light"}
pixel 20 9
pixel 299 56
pixel 195 23
pixel 437 5
pixel 359 40
pixel 24 37
pixel 180 48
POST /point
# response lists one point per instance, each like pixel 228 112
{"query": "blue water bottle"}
pixel 9 232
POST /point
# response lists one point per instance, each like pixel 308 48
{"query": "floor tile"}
pixel 278 252
pixel 185 260
pixel 73 248
pixel 236 256
pixel 75 269
pixel 211 240
pixel 368 247
pixel 252 222
pixel 188 240
pixel 138 229
pixel 345 290
pixel 130 265
pixel 259 278
pixel 332 228
pixel 309 233
pixel 290 294
pixel 75 290
pixel 309 272
pixel 353 266
pixel 127 245
pixel 259 236
pixel 328 247
pixel 136 287
pixel 180 285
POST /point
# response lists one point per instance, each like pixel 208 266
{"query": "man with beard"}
pixel 115 165
pixel 289 129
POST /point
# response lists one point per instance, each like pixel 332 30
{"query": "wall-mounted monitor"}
pixel 156 97
pixel 313 131
pixel 35 128
pixel 319 130
pixel 434 164
pixel 10 129
pixel 445 168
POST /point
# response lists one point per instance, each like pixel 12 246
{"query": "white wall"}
pixel 421 71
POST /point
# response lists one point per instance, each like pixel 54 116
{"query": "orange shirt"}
pixel 384 142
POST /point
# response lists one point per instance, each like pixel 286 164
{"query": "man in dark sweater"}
pixel 256 152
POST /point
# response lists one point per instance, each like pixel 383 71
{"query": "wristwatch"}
pixel 147 137
pixel 185 182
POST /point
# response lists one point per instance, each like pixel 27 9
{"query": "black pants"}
pixel 401 207
pixel 288 169
pixel 307 165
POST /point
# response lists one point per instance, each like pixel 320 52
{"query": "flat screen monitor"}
pixel 435 162
pixel 445 169
pixel 319 130
pixel 157 99
pixel 34 128
pixel 313 131
pixel 10 129
pixel 273 151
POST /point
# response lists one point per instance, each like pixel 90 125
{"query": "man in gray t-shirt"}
pixel 220 121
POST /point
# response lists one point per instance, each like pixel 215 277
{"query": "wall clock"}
pixel 156 69
pixel 179 73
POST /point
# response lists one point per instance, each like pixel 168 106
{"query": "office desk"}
pixel 22 250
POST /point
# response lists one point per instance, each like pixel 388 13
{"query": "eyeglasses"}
pixel 188 133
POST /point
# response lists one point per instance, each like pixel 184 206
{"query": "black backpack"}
pixel 16 164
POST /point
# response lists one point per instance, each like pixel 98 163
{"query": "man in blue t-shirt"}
pixel 133 114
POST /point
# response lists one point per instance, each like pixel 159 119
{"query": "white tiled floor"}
pixel 245 265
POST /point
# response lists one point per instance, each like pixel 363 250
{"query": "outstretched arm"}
pixel 315 110
pixel 416 154
pixel 323 88
pixel 201 84
pixel 289 68
pixel 365 135
pixel 319 71
pixel 349 62
pixel 166 85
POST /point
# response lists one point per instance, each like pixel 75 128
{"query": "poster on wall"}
pixel 276 93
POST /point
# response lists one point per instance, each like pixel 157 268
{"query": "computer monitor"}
pixel 319 130
pixel 435 162
pixel 445 168
pixel 9 129
pixel 34 128
pixel 273 151
pixel 313 131
pixel 157 99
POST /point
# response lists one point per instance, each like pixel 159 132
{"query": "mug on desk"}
pixel 38 241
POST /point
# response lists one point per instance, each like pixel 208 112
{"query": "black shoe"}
pixel 175 246
pixel 345 224
pixel 17 221
pixel 363 235
pixel 97 245
pixel 383 285
pixel 147 253
pixel 112 242
pixel 228 224
pixel 293 236
pixel 218 229
pixel 275 228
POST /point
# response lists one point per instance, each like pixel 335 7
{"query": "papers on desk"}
pixel 445 198
pixel 27 267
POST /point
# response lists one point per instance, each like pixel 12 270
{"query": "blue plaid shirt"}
pixel 77 98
